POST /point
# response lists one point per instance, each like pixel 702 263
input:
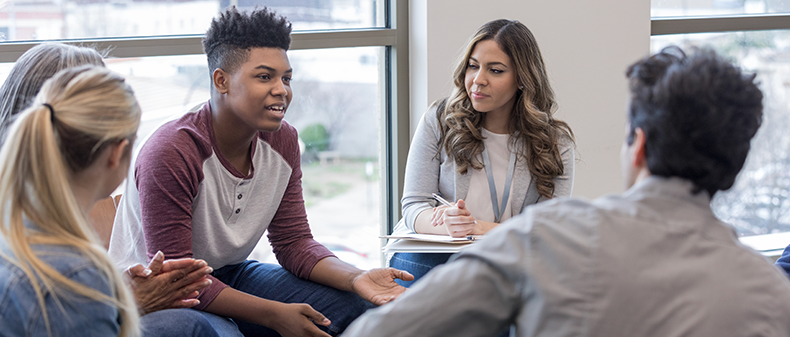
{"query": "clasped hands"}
pixel 168 284
pixel 458 220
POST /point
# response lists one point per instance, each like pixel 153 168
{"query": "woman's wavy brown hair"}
pixel 535 132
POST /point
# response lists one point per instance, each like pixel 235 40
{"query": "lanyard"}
pixel 511 166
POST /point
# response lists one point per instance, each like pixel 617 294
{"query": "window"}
pixel 701 8
pixel 350 61
pixel 79 19
pixel 756 35
pixel 337 110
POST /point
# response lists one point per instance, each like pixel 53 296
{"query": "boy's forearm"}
pixel 330 271
pixel 238 305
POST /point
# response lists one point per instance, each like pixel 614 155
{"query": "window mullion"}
pixel 191 44
pixel 686 25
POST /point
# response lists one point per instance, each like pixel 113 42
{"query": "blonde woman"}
pixel 70 148
pixel 152 286
pixel 493 145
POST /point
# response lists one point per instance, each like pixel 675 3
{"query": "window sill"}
pixel 770 245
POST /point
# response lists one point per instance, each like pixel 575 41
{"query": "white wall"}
pixel 586 45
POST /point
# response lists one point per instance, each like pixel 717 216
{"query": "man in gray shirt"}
pixel 654 261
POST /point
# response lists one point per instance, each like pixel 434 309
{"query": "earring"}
pixel 521 88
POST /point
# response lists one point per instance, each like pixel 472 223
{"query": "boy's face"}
pixel 259 91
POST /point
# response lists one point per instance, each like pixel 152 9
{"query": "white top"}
pixel 428 173
pixel 478 199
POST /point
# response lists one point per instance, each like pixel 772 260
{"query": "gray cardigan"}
pixel 425 175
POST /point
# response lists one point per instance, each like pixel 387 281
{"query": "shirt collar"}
pixel 672 198
pixel 668 187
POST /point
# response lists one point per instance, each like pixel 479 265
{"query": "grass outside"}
pixel 343 207
pixel 321 182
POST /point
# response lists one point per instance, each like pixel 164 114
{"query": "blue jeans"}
pixel 418 264
pixel 187 322
pixel 272 282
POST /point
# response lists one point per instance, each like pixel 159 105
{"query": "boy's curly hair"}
pixel 699 113
pixel 231 36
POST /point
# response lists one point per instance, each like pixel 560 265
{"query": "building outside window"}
pixel 755 35
pixel 351 93
pixel 345 57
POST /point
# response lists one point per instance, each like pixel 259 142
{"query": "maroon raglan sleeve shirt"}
pixel 188 201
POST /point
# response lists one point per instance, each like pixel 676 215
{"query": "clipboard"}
pixel 433 238
pixel 426 243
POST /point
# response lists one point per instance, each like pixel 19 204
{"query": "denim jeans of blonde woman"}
pixel 71 315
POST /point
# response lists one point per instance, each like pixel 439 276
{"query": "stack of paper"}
pixel 426 243
pixel 431 238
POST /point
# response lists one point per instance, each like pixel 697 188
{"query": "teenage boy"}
pixel 654 261
pixel 210 183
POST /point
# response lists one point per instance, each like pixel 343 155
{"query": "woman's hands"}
pixel 458 221
pixel 378 285
pixel 168 284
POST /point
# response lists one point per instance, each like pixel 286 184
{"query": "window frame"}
pixel 769 245
pixel 717 24
pixel 394 72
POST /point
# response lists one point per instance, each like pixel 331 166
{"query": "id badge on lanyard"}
pixel 511 166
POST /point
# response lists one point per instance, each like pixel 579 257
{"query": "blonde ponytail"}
pixel 93 107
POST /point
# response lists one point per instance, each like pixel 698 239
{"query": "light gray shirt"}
pixel 425 174
pixel 652 262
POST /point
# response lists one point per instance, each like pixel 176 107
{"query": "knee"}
pixel 348 308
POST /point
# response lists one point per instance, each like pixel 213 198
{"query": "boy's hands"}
pixel 299 320
pixel 378 285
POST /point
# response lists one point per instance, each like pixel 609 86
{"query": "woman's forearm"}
pixel 423 224
pixel 483 227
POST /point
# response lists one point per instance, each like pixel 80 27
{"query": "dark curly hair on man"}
pixel 699 113
pixel 228 41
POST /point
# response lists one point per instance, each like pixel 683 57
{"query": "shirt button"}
pixel 238 210
pixel 239 197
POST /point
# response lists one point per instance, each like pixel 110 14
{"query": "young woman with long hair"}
pixel 35 66
pixel 493 145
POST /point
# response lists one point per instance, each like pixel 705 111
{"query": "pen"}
pixel 448 204
pixel 440 199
